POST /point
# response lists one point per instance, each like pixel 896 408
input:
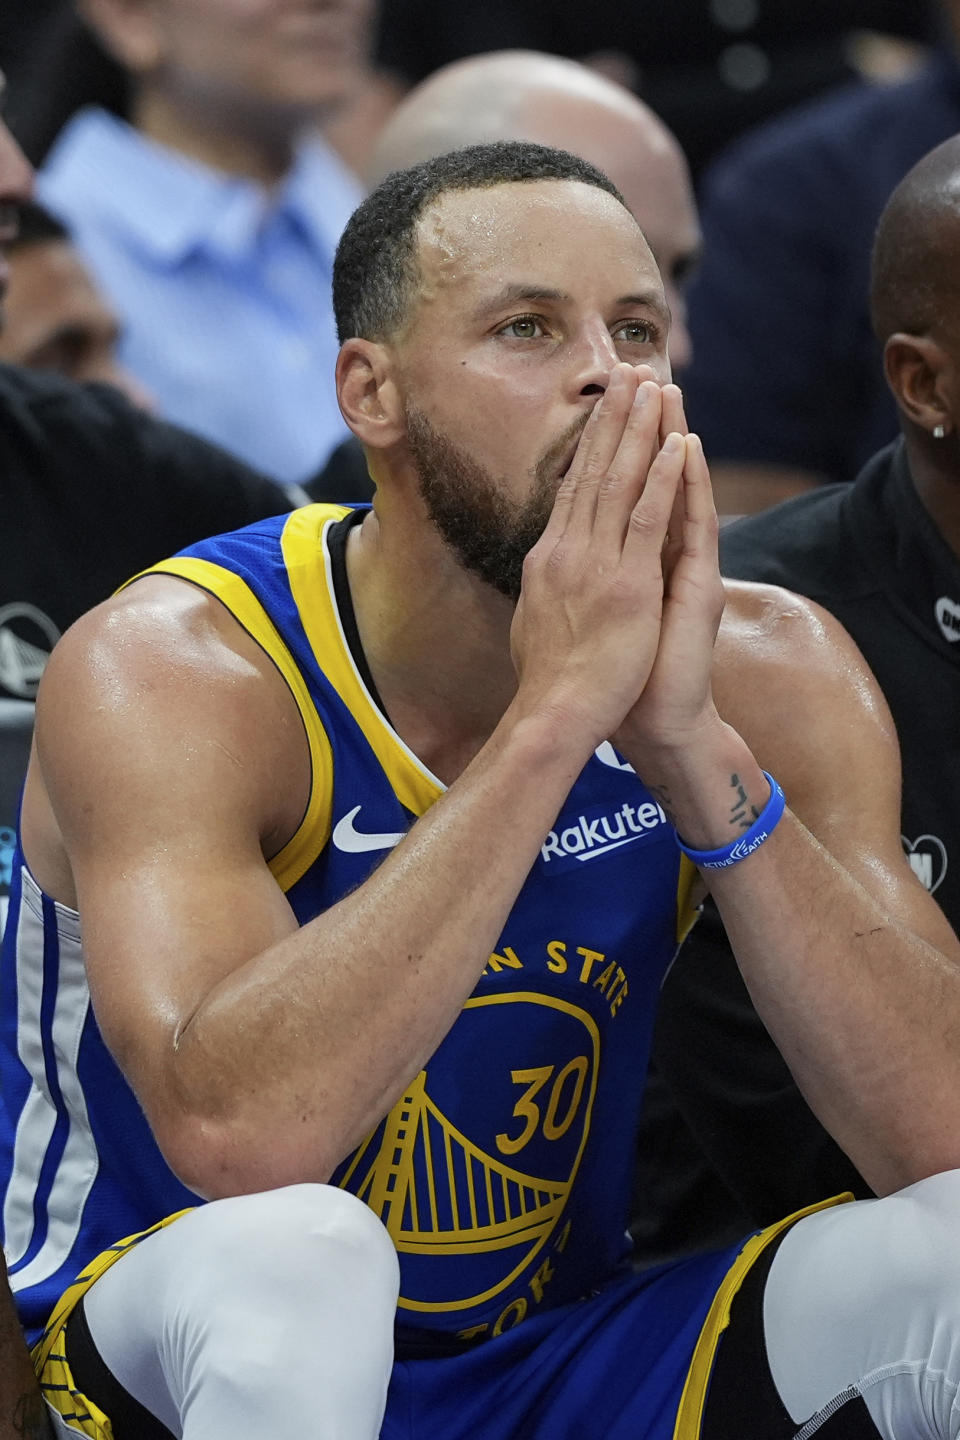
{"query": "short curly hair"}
pixel 375 270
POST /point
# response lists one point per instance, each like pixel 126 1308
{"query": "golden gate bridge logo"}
pixel 440 1194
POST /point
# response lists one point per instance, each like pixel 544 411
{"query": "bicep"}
pixel 815 717
pixel 163 926
pixel 163 792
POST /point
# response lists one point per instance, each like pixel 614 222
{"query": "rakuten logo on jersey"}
pixel 601 829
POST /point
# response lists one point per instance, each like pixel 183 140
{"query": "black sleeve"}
pixel 194 488
pixel 94 490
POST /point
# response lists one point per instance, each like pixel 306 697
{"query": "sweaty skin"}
pixel 261 1051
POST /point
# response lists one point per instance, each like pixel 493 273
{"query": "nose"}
pixel 595 356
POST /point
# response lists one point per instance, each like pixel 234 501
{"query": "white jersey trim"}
pixel 79 1163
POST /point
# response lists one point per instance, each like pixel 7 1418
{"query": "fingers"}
pixel 651 515
pixel 567 490
pixel 699 507
pixel 673 420
pixel 626 474
pixel 593 460
pixel 626 428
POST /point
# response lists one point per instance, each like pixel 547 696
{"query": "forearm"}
pixel 864 1010
pixel 292 1059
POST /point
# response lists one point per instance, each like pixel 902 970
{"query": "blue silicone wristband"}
pixel 761 829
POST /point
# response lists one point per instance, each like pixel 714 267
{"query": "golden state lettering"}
pixel 597 832
pixel 472 1169
pixel 519 1306
pixel 590 966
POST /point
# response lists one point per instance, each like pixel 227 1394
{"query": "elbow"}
pixel 217 1158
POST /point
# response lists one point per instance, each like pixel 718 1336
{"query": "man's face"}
pixel 16 184
pixel 55 319
pixel 530 294
pixel 277 54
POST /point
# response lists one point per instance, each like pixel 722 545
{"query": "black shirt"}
pixel 94 490
pixel 869 553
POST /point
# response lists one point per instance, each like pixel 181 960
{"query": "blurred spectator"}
pixel 54 318
pixel 92 489
pixel 883 556
pixel 709 68
pixel 210 220
pixel 61 68
pixel 786 388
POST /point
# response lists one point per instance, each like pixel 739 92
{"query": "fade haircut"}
pixel 914 286
pixel 375 272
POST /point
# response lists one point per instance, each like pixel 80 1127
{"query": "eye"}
pixel 637 332
pixel 524 327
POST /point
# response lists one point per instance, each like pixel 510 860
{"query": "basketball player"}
pixel 350 871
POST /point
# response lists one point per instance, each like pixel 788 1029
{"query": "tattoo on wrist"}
pixel 742 813
pixel 661 793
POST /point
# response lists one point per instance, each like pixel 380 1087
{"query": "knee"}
pixel 298 1231
pixel 923 1254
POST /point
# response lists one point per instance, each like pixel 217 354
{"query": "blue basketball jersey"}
pixel 503 1171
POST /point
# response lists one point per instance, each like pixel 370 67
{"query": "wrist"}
pixel 710 785
pixel 556 722
pixel 743 845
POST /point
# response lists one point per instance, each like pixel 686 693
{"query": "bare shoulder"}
pixel 159 697
pixel 791 680
pixel 159 619
pixel 160 645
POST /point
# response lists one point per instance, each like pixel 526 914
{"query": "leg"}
pixel 868 1296
pixel 267 1314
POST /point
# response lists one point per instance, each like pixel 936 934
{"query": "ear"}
pixel 368 395
pixel 921 375
pixel 127 29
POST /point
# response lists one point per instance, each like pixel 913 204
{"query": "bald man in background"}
pixel 525 95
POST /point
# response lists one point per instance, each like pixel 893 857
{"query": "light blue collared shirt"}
pixel 223 289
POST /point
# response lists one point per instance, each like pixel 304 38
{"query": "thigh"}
pixel 611 1366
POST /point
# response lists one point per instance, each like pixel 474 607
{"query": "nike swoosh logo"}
pixel 356 842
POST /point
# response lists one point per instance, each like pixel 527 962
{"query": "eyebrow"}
pixel 521 294
pixel 539 294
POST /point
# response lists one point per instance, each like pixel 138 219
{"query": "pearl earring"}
pixel 938 432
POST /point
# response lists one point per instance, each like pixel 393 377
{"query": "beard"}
pixel 489 532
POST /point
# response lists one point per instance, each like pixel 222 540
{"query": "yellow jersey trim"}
pixel 76 1411
pixel 693 1399
pixel 303 541
pixel 687 910
pixel 313 832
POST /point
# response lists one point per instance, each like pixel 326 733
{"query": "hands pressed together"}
pixel 622 596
